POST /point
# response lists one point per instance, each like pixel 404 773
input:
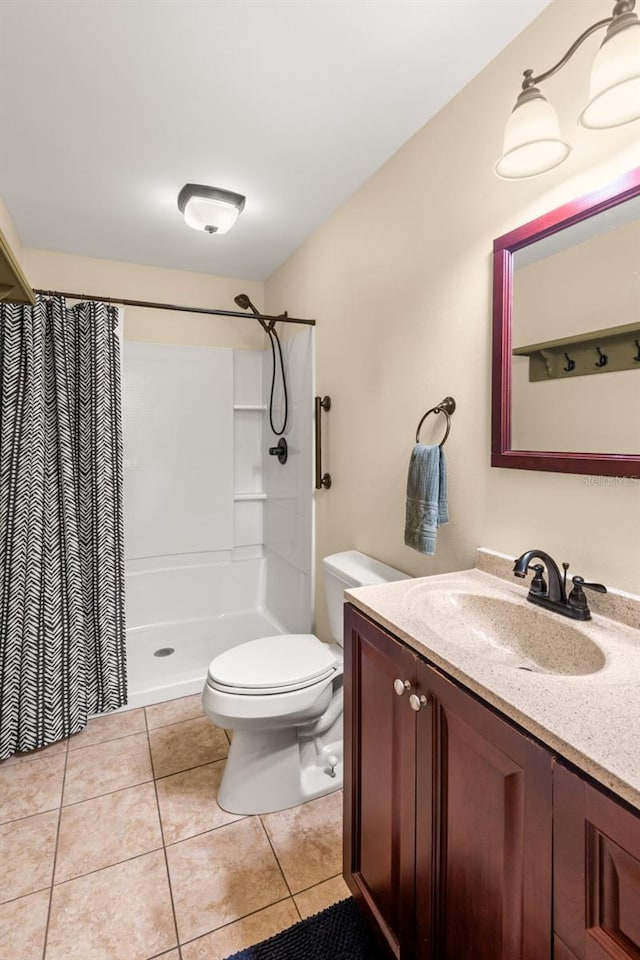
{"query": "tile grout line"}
pixel 245 916
pixel 123 736
pixel 21 896
pixel 164 846
pixel 202 833
pixel 55 854
pixel 117 789
pixel 280 868
pixel 28 757
pixel 137 856
pixel 28 816
pixel 319 883
pixel 253 913
pixel 173 723
pixel 109 793
pixel 91 873
pixel 100 743
pixel 26 765
pixel 75 803
pixel 165 776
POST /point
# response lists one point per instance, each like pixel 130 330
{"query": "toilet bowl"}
pixel 281 696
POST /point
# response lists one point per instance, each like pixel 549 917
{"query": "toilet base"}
pixel 274 770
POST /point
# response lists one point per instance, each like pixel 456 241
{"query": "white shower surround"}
pixel 289 503
pixel 199 606
pixel 206 566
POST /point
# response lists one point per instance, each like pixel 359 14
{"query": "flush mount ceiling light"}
pixel 532 140
pixel 209 208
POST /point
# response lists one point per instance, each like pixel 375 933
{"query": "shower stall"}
pixel 218 533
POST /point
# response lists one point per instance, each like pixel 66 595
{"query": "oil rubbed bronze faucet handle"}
pixel 577 600
pixel 598 587
pixel 538 584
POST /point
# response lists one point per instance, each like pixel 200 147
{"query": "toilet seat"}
pixel 272 665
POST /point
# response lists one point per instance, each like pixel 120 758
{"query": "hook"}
pixel 637 356
pixel 571 364
pixel 602 360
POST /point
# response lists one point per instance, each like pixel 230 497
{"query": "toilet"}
pixel 282 698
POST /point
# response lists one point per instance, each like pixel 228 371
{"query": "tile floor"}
pixel 113 847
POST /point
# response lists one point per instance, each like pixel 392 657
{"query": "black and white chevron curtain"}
pixel 62 640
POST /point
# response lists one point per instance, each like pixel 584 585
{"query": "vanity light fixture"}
pixel 209 208
pixel 532 140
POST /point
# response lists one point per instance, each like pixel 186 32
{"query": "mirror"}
pixel 566 338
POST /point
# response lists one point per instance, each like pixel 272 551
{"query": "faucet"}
pixel 554 596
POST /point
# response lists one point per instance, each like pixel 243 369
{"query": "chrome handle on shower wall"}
pixel 322 480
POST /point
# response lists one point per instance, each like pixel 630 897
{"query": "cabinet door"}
pixel 379 793
pixel 490 786
pixel 596 871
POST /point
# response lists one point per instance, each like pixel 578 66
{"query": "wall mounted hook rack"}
pixel 614 347
pixel 603 359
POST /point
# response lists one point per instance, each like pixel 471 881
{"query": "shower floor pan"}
pixel 170 660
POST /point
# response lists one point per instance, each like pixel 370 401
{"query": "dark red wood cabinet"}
pixel 450 844
pixel 380 784
pixel 596 873
pixel 483 862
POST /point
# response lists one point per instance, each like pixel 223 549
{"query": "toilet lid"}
pixel 273 664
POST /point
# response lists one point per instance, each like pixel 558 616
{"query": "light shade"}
pixel 209 208
pixel 614 90
pixel 532 140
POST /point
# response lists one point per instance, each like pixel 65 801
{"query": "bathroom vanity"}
pixel 492 791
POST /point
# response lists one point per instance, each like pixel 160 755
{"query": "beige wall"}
pixel 399 280
pixel 110 278
pixel 10 232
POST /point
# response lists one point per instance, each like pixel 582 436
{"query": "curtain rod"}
pixel 172 306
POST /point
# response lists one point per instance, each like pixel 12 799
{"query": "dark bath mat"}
pixel 338 933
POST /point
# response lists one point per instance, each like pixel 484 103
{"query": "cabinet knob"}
pixel 401 686
pixel 418 702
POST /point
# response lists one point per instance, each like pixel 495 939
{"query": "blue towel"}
pixel 427 504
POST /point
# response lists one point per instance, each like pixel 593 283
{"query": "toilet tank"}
pixel 351 569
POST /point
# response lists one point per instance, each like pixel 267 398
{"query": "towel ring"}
pixel 446 406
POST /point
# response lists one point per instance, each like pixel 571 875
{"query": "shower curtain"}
pixel 62 631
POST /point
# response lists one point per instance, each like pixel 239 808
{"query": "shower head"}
pixel 245 304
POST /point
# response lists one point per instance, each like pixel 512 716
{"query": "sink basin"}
pixel 513 633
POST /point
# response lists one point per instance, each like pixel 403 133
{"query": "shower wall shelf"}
pixel 599 351
pixel 249 496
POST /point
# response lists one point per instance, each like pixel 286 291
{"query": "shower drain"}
pixel 164 652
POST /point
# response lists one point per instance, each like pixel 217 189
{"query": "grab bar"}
pixel 322 480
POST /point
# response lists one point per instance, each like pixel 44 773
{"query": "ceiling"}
pixel 108 108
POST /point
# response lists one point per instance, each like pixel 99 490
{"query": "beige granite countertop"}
pixel 591 719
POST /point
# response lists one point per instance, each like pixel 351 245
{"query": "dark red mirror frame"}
pixel 601 464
